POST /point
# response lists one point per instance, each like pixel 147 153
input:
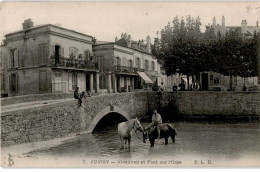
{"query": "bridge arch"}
pixel 103 113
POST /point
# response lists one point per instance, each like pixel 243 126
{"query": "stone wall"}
pixel 34 97
pixel 62 119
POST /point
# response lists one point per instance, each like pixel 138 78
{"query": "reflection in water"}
pixel 214 140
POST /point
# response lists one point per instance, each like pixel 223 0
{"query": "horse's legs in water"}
pixel 129 142
pixel 166 140
pixel 125 145
pixel 173 138
pixel 152 142
pixel 122 142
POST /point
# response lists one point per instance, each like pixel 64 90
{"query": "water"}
pixel 194 139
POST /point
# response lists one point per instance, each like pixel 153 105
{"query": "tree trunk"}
pixel 230 82
pixel 188 81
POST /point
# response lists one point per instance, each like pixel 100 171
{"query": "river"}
pixel 196 140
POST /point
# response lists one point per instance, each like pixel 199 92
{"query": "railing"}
pixel 139 70
pixel 124 69
pixel 73 63
pixel 59 87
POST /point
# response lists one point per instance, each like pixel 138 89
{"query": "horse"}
pixel 125 131
pixel 166 131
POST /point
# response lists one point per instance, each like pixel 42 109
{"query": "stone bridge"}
pixel 59 118
pixel 49 119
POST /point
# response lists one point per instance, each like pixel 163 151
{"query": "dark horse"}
pixel 167 130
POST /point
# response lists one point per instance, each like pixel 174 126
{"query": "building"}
pixel 216 81
pixel 46 59
pixel 126 64
pixel 3 71
pixel 244 29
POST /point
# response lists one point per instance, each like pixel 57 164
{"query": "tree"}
pixel 178 46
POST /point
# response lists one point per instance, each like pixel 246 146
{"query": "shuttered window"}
pixel 14 58
pixel 42 54
pixel 87 55
pixel 153 67
pixel 73 52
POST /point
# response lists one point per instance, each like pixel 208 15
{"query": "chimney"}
pixel 257 23
pixel 124 35
pixel 116 39
pixel 223 21
pixel 214 21
pixel 27 24
pixel 243 26
pixel 129 42
pixel 148 44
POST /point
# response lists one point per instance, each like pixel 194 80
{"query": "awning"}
pixel 145 77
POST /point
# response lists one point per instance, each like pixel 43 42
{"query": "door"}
pixel 57 82
pixel 205 81
pixel 43 86
pixel 87 82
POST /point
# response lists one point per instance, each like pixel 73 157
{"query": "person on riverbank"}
pixel 77 96
pixel 156 121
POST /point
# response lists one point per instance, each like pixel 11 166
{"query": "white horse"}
pixel 125 131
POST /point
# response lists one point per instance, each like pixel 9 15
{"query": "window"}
pixel 87 55
pixel 137 63
pixel 42 54
pixel 14 58
pixel 73 52
pixel 130 63
pixel 124 61
pixel 3 81
pixel 153 67
pixel 216 80
pixel 73 81
pixel 118 61
pixel 14 82
pixel 146 64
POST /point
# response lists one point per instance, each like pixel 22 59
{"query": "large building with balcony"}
pixel 126 65
pixel 48 58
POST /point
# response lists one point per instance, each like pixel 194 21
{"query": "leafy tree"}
pixel 183 49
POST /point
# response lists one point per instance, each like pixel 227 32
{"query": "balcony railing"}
pixel 127 69
pixel 139 70
pixel 124 69
pixel 72 63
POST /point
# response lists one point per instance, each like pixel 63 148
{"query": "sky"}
pixel 106 20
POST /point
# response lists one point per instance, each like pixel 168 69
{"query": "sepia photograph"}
pixel 138 84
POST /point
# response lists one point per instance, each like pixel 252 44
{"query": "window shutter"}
pixel 17 82
pixel 62 51
pixel 52 50
pixel 70 81
pixel 10 60
pixel 10 84
pixel 16 58
pixel 39 54
pixel 44 54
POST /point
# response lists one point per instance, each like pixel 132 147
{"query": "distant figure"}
pixel 182 85
pixel 174 87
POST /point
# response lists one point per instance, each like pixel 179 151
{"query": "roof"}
pixel 39 26
pixel 134 45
